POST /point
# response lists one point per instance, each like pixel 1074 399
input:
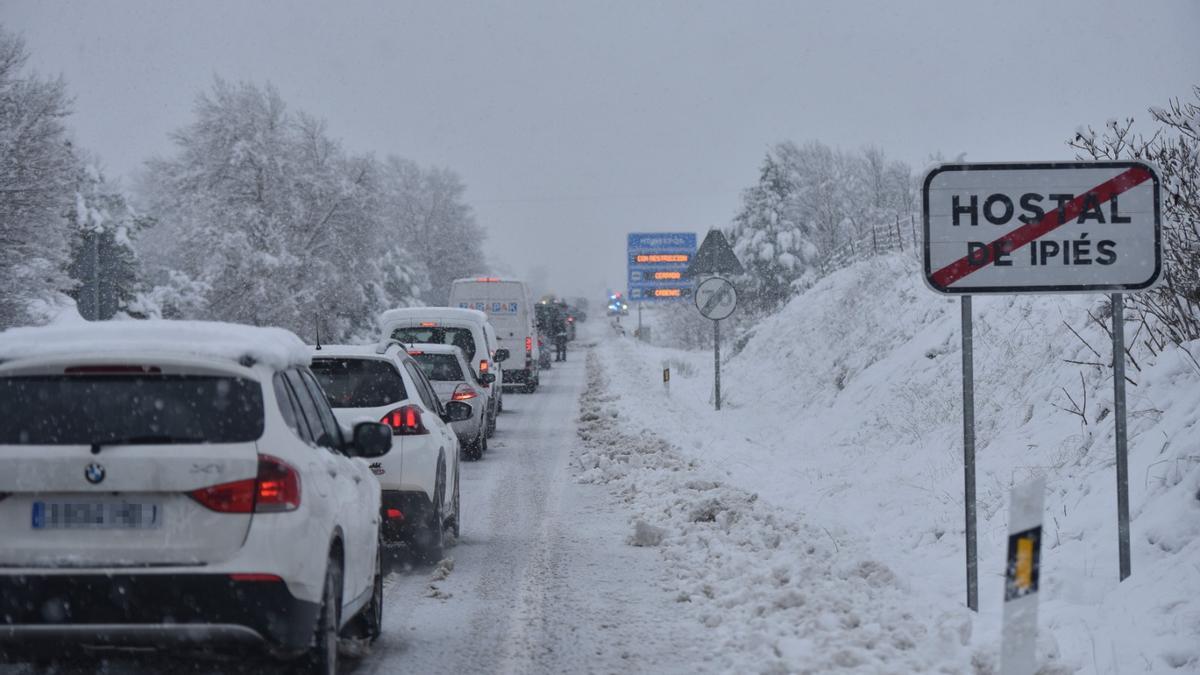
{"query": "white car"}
pixel 467 329
pixel 420 476
pixel 453 380
pixel 169 482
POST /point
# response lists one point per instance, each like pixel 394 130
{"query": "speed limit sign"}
pixel 716 298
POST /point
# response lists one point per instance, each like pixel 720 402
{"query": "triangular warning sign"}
pixel 714 257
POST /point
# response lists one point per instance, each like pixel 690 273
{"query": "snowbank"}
pixel 274 347
pixel 843 412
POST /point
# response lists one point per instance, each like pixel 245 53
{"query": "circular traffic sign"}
pixel 716 298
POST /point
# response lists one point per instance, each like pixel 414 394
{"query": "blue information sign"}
pixel 657 264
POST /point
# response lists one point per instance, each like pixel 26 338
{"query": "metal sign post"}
pixel 1050 227
pixel 968 397
pixel 717 364
pixel 716 298
pixel 1118 337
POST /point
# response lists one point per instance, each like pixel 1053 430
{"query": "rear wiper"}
pixel 143 440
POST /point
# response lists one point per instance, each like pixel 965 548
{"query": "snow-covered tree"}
pixel 424 210
pixel 103 229
pixel 1171 309
pixel 269 219
pixel 771 237
pixel 37 170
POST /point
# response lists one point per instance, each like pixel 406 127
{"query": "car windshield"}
pixel 440 367
pixel 112 409
pixel 359 383
pixel 438 335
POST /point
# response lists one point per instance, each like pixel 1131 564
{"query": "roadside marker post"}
pixel 1018 648
pixel 667 379
pixel 715 297
pixel 1049 227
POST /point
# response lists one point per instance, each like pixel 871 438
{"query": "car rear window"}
pixel 438 335
pixel 358 383
pixel 129 409
pixel 439 367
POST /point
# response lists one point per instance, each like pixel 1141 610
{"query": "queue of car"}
pixel 169 483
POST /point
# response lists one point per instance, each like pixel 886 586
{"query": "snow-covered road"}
pixel 542 580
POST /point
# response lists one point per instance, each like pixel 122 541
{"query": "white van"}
pixel 509 307
pixel 467 329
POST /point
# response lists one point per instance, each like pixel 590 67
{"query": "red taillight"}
pixel 484 366
pixel 235 497
pixel 276 489
pixel 464 392
pixel 529 344
pixel 255 577
pixel 394 514
pixel 428 324
pixel 405 421
pixel 278 486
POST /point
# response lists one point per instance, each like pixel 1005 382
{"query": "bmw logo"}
pixel 94 473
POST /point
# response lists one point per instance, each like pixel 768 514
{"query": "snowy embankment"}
pixel 843 419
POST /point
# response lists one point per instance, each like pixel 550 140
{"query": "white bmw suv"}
pixel 169 482
pixel 420 476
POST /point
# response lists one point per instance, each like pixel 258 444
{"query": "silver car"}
pixel 446 368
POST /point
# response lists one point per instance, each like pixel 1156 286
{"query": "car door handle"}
pixel 333 473
pixel 357 478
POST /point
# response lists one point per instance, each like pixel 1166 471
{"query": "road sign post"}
pixel 716 297
pixel 1018 647
pixel 1118 338
pixel 968 398
pixel 1067 227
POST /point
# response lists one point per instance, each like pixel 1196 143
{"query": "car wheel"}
pixel 367 625
pixel 530 387
pixel 429 540
pixel 455 524
pixel 474 449
pixel 373 614
pixel 322 658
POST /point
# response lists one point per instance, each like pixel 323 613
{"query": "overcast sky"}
pixel 574 123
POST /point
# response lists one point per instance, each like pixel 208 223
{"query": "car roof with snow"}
pixel 275 348
pixel 407 314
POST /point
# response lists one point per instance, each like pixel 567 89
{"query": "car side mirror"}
pixel 501 355
pixel 487 378
pixel 457 411
pixel 371 439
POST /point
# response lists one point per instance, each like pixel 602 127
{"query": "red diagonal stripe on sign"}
pixel 1105 191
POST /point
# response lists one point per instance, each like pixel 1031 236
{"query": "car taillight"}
pixel 463 392
pixel 405 421
pixel 278 486
pixel 276 489
pixel 484 366
pixel 529 344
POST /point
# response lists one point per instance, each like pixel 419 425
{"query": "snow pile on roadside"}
pixel 778 593
pixel 846 408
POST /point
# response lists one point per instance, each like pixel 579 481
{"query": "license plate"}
pixel 95 515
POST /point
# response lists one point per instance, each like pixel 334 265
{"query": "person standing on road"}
pixel 560 337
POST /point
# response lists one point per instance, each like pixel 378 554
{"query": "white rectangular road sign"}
pixel 1043 227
